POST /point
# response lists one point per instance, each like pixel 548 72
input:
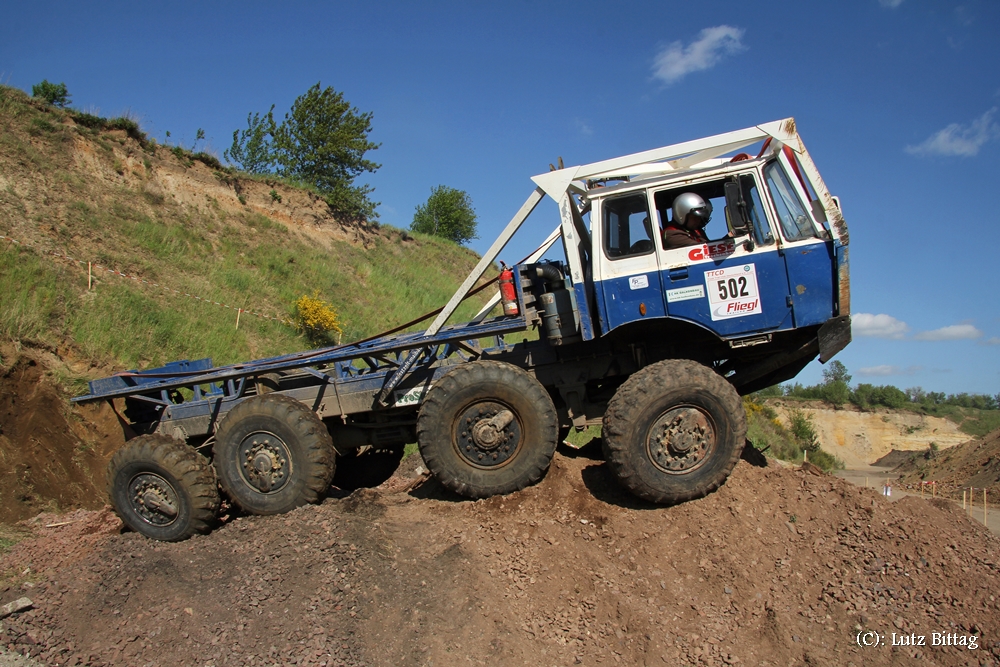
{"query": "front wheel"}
pixel 674 431
pixel 162 488
pixel 487 428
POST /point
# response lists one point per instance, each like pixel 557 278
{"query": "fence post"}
pixel 963 499
pixel 238 311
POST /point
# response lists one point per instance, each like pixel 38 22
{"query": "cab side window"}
pixel 627 229
pixel 755 209
pixel 792 215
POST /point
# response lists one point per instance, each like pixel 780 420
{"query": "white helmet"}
pixel 690 203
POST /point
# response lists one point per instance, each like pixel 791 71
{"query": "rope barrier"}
pixel 138 279
pixel 239 310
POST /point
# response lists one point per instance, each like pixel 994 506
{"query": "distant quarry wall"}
pixel 860 438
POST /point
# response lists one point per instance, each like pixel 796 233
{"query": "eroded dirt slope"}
pixel 778 567
pixel 975 464
pixel 51 454
pixel 859 438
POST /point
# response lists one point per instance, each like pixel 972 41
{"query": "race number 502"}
pixel 732 292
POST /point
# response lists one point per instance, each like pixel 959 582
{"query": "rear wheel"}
pixel 162 488
pixel 674 431
pixel 487 428
pixel 273 454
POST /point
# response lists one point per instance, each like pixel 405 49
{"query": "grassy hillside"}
pixel 177 224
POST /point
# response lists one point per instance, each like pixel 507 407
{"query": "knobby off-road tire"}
pixel 367 469
pixel 674 431
pixel 487 428
pixel 162 488
pixel 273 454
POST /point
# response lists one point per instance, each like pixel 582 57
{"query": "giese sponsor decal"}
pixel 712 250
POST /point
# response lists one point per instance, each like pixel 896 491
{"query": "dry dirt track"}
pixel 778 567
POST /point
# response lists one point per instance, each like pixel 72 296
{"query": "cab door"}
pixel 808 252
pixel 731 286
pixel 627 270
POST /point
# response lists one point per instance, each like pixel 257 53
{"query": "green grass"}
pixel 242 259
pixel 970 420
pixel 766 432
pixel 11 535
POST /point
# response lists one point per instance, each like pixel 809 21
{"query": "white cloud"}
pixel 675 61
pixel 960 140
pixel 954 332
pixel 885 370
pixel 878 326
pixel 891 4
pixel 583 127
pixel 992 341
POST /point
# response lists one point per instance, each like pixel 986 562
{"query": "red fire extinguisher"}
pixel 508 295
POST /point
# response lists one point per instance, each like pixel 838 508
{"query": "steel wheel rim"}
pixel 479 443
pixel 264 462
pixel 681 440
pixel 153 499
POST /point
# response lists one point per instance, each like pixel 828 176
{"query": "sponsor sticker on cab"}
pixel 712 250
pixel 732 292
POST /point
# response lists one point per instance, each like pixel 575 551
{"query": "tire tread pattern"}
pixel 636 393
pixel 192 471
pixel 319 460
pixel 434 436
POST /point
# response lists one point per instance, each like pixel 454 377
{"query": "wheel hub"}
pixel 681 439
pixel 487 434
pixel 153 499
pixel 265 462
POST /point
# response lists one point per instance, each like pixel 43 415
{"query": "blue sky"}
pixel 898 102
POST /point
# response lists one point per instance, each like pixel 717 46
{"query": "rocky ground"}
pixel 779 567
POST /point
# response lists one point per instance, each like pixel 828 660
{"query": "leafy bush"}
pixel 766 432
pixel 252 150
pixel 55 94
pixel 448 213
pixel 317 320
pixel 208 160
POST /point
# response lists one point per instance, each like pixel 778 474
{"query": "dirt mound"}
pixel 896 458
pixel 777 567
pixel 52 456
pixel 976 464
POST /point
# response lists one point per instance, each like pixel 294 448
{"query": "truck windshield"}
pixel 792 215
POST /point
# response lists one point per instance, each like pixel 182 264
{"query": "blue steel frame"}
pixel 369 361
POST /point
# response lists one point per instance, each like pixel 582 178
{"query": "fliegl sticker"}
pixel 732 292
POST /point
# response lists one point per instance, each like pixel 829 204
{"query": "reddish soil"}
pixel 51 456
pixel 975 464
pixel 778 567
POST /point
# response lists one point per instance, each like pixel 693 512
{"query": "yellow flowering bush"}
pixel 317 319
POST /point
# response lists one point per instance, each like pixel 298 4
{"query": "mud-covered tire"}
pixel 273 454
pixel 368 468
pixel 163 489
pixel 674 431
pixel 503 459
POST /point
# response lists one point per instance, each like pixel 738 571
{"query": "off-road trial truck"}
pixel 655 344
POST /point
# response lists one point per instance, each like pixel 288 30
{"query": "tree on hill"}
pixel 251 149
pixel 836 372
pixel 447 213
pixel 55 94
pixel 321 142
